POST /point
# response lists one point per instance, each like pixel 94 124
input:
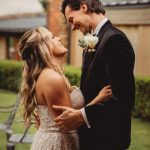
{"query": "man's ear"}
pixel 84 8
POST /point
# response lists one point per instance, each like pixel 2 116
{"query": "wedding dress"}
pixel 49 137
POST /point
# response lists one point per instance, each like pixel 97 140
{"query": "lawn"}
pixel 8 98
pixel 140 129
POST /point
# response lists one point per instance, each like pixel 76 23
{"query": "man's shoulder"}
pixel 113 32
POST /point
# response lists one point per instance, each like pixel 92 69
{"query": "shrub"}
pixel 142 103
pixel 73 74
pixel 10 74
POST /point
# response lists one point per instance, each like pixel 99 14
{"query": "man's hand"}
pixel 70 119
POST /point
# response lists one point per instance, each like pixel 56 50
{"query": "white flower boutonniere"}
pixel 88 42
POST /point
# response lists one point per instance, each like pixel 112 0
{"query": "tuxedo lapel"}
pixel 88 56
pixel 102 31
pixel 104 28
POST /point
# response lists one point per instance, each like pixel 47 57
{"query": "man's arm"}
pixel 70 118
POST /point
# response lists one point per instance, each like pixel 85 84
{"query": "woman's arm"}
pixel 103 95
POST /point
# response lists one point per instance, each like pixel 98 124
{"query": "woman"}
pixel 44 85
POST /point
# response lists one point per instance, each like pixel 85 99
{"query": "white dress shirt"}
pixel 96 31
pixel 99 26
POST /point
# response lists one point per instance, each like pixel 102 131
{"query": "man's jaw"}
pixel 82 29
pixel 87 30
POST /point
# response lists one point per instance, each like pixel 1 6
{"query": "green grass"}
pixel 140 135
pixel 140 129
pixel 8 98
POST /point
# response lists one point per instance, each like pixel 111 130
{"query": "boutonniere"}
pixel 88 42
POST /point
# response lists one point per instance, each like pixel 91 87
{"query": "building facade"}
pixel 11 29
pixel 16 17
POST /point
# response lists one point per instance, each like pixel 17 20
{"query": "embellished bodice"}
pixel 46 116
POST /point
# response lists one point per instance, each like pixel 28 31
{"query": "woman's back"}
pixel 48 135
pixel 51 89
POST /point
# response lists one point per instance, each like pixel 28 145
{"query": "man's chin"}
pixel 84 32
pixel 81 30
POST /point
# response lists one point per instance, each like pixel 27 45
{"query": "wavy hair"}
pixel 35 49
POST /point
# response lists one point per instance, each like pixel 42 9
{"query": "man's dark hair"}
pixel 93 5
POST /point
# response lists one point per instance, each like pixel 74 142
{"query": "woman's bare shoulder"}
pixel 51 78
pixel 54 88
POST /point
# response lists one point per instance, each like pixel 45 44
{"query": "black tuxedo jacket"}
pixel 112 63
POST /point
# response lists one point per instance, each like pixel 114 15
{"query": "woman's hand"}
pixel 103 95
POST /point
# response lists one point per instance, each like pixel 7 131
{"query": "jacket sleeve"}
pixel 119 64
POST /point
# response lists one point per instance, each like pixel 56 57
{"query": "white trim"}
pixel 85 117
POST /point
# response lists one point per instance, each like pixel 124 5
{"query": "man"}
pixel 107 125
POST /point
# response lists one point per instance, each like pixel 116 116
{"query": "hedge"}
pixel 10 76
pixel 142 103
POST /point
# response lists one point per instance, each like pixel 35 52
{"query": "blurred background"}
pixel 131 16
pixel 18 16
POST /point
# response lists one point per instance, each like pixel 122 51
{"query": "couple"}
pixel 92 117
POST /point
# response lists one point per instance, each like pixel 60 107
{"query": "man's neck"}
pixel 96 19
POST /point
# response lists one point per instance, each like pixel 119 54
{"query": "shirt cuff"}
pixel 85 117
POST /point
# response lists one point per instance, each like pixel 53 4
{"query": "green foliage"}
pixel 142 103
pixel 44 3
pixel 10 74
pixel 73 74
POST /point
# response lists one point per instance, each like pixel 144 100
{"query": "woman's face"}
pixel 58 49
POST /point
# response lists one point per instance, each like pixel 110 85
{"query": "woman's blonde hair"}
pixel 35 49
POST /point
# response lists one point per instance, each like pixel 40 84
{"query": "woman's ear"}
pixel 84 8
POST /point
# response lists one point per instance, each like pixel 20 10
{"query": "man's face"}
pixel 78 19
